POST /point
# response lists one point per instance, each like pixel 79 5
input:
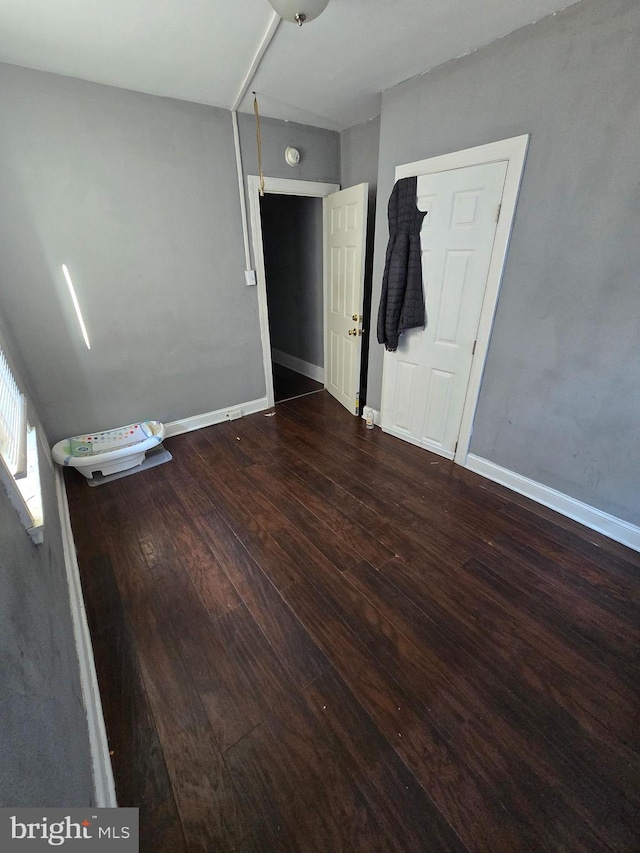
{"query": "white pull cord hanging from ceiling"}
pixel 296 11
pixel 258 142
pixel 260 52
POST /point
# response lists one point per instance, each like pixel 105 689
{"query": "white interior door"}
pixel 425 380
pixel 345 230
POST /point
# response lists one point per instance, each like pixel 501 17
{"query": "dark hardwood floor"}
pixel 288 383
pixel 314 637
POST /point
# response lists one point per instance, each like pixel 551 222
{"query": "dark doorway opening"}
pixel 292 243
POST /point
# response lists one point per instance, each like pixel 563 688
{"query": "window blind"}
pixel 13 422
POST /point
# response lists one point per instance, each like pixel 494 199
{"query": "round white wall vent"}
pixel 292 156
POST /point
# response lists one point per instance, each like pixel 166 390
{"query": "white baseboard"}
pixel 217 417
pixel 312 371
pixel 615 528
pixel 104 788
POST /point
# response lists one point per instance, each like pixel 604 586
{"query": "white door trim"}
pixel 514 151
pixel 279 186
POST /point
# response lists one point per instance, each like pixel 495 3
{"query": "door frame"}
pixel 514 151
pixel 278 186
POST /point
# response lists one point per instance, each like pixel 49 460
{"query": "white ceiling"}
pixel 328 73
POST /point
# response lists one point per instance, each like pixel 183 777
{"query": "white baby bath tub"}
pixel 109 452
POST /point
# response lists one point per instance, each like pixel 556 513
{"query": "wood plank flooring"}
pixel 314 637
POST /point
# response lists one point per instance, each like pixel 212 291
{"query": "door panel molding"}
pixel 514 152
pixel 278 186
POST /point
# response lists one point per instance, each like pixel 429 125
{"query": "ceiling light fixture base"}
pixel 299 11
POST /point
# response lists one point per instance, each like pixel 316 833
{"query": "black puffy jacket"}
pixel 402 299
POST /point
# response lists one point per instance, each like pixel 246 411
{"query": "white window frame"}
pixel 7 478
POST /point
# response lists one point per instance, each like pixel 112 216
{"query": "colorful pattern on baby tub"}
pixel 114 439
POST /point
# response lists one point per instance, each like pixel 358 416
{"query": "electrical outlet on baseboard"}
pixel 234 414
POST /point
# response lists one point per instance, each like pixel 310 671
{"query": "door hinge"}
pixel 498 212
pixel 473 351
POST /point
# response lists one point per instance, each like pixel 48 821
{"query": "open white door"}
pixel 345 230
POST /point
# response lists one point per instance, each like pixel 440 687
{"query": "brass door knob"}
pixel 357 318
pixel 353 331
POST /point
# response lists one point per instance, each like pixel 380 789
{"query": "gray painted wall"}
pixel 138 196
pixel 359 149
pixel 319 150
pixel 292 235
pixel 44 747
pixel 559 400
